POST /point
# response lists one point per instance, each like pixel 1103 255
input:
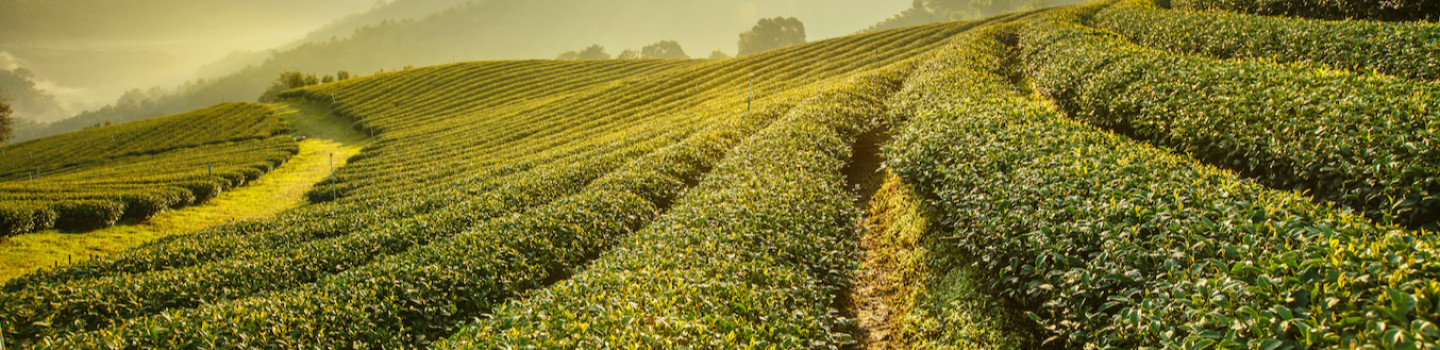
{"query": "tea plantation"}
pixel 1116 175
pixel 92 178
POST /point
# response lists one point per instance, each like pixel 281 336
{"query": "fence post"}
pixel 333 196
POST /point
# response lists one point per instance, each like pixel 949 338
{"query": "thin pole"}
pixel 333 196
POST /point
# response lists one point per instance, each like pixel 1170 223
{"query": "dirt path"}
pixel 280 190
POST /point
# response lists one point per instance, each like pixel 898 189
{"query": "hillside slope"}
pixel 92 178
pixel 1046 183
pixel 328 141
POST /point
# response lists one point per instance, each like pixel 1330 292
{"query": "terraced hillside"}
pixel 1036 180
pixel 92 178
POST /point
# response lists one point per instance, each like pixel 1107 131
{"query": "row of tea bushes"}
pixel 942 302
pixel 752 257
pixel 410 299
pixel 94 147
pixel 1394 10
pixel 1112 243
pixel 94 178
pixel 1365 142
pixel 90 304
pixel 1405 50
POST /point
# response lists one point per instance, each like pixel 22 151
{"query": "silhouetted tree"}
pixel 947 10
pixel 719 54
pixel 628 54
pixel 288 80
pixel 772 33
pixel 342 75
pixel 594 52
pixel 327 79
pixel 664 49
pixel 28 99
pixel 7 122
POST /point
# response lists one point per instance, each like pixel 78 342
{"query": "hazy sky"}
pixel 88 52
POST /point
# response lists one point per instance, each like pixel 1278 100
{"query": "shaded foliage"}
pixel 593 52
pixel 772 33
pixel 663 49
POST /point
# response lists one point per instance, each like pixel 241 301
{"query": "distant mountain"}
pixel 392 11
pixel 340 28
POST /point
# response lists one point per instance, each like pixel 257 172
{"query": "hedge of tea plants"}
pixel 752 257
pixel 1112 243
pixel 443 284
pixel 1366 142
pixel 468 158
pixel 1405 50
pixel 90 304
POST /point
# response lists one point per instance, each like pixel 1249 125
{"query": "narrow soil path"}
pixel 280 190
pixel 864 175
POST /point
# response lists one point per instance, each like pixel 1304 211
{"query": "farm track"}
pixel 863 301
pixel 281 190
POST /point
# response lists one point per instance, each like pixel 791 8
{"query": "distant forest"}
pixel 931 11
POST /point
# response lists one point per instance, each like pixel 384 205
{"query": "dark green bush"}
pixel 202 191
pixel 86 214
pixel 17 218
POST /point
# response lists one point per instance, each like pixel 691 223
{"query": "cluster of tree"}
pixel 663 50
pixel 28 100
pixel 931 11
pixel 593 52
pixel 772 33
pixel 294 80
pixel 666 49
pixel 6 122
